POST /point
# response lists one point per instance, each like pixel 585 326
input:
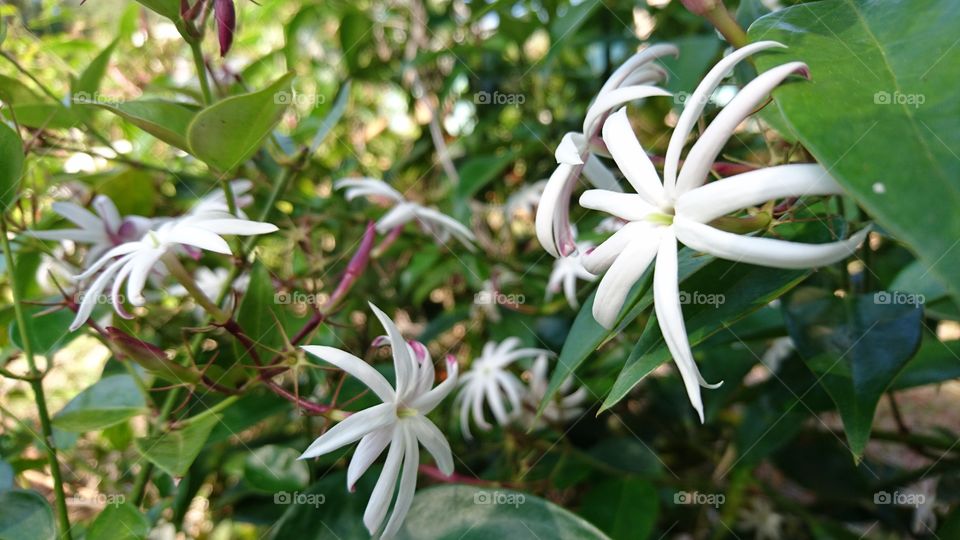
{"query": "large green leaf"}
pixel 32 110
pixel 729 291
pixel 326 511
pixel 480 171
pixel 454 512
pixel 86 87
pixel 174 451
pixel 48 331
pixel 109 401
pixel 229 132
pixel 25 514
pixel 622 507
pixel 119 522
pixel 168 8
pixel 586 334
pixel 856 347
pixel 11 165
pixel 881 112
pixel 165 120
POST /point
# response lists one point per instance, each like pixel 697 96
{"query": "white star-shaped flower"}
pixel 433 222
pixel 681 208
pixel 564 407
pixel 566 271
pixel 578 152
pixel 400 422
pixel 489 381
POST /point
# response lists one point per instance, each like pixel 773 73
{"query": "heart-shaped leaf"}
pixel 25 514
pixel 174 451
pixel 119 522
pixel 109 401
pixel 165 120
pixel 229 132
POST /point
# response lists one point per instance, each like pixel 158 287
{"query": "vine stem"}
pixel 36 383
pixel 197 54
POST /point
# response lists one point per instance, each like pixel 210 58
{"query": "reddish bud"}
pixel 226 16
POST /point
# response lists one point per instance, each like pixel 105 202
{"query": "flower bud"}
pixel 226 16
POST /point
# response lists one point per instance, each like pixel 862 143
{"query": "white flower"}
pixel 212 283
pixel 576 153
pixel 609 224
pixel 133 261
pixel 400 422
pixel 216 200
pixel 566 271
pixel 488 381
pixel 103 230
pixel 680 209
pixel 524 201
pixel 441 226
pixel 564 407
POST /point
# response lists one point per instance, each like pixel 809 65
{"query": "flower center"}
pixel 152 238
pixel 660 218
pixel 406 412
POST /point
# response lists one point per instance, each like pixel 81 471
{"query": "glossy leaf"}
pixel 107 402
pixel 165 120
pixel 229 132
pixel 25 514
pixel 168 8
pixel 880 114
pixel 11 165
pixel 119 522
pixel 174 451
pixel 856 347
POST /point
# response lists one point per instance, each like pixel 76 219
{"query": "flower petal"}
pixel 602 256
pixel 403 362
pixel 239 227
pixel 666 302
pixel 352 428
pixel 571 148
pixel 599 175
pixel 380 187
pixel 382 493
pixel 553 212
pixel 695 104
pixel 108 212
pixel 141 266
pixel 639 61
pixel 616 98
pixel 371 446
pixel 622 275
pixel 700 158
pixel 433 440
pixel 626 206
pixel 719 198
pixel 633 161
pixel 399 215
pixel 189 235
pixel 408 486
pixel 357 368
pixel 763 251
pixel 79 215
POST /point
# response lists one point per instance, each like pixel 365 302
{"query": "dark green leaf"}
pixel 174 451
pixel 11 165
pixel 168 8
pixel 165 120
pixel 229 132
pixel 880 113
pixel 622 507
pixel 109 401
pixel 48 332
pixel 119 522
pixel 25 515
pixel 88 84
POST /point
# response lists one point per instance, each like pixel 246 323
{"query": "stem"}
pixel 184 278
pixel 715 12
pixel 201 66
pixel 36 383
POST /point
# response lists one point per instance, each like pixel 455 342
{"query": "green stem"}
pixel 223 404
pixel 197 53
pixel 36 383
pixel 181 275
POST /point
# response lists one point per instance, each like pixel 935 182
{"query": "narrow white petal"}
pixel 553 212
pixel 632 159
pixel 719 198
pixel 108 212
pixel 383 491
pixel 570 290
pixel 79 215
pixel 477 405
pixel 371 446
pixel 352 428
pixel 616 98
pixel 77 235
pixel 193 236
pixel 570 149
pixel 626 206
pixel 666 302
pixel 763 251
pixel 701 156
pixel 122 249
pixel 397 216
pixel 92 294
pixel 495 400
pixel 695 104
pixel 446 222
pixel 433 440
pixel 356 368
pixel 466 398
pixel 602 256
pixel 511 387
pixel 239 227
pixel 599 175
pixel 408 486
pixel 141 266
pixel 427 402
pixel 639 61
pixel 382 188
pixel 403 363
pixel 622 275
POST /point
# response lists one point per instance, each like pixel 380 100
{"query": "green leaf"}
pixel 856 347
pixel 730 292
pixel 480 171
pixel 354 30
pixel 134 190
pixel 586 334
pixel 31 110
pixel 110 401
pixel 11 166
pixel 935 362
pixel 458 511
pixel 48 331
pixel 573 18
pixel 25 515
pixel 168 8
pixel 325 511
pixel 89 82
pixel 332 117
pixel 881 112
pixel 119 522
pixel 174 451
pixel 276 468
pixel 696 55
pixel 165 120
pixel 257 315
pixel 229 132
pixel 6 475
pixel 622 507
